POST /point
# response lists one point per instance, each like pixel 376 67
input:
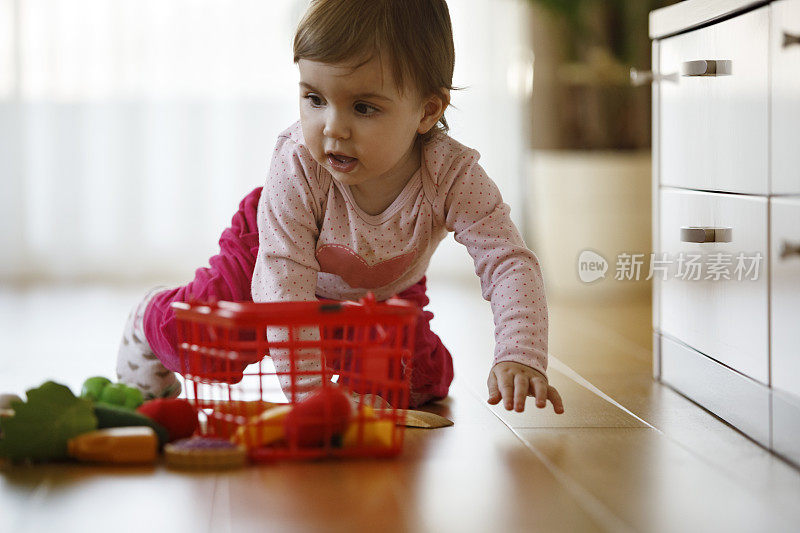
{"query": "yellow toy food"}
pixel 263 429
pixel 126 445
pixel 225 418
pixel 376 432
pixel 268 428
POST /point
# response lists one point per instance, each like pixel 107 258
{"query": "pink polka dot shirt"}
pixel 315 240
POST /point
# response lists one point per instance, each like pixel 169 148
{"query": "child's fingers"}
pixel 494 393
pixel 555 399
pixel 539 386
pixel 520 392
pixel 507 390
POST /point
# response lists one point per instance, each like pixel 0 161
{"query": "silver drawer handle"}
pixel 703 234
pixel 789 248
pixel 789 39
pixel 643 77
pixel 707 67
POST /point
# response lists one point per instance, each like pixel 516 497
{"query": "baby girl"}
pixel 360 192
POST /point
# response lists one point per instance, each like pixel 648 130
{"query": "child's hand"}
pixel 515 381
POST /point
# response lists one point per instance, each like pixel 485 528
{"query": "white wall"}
pixel 130 129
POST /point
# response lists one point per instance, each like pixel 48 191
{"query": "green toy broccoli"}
pixel 101 390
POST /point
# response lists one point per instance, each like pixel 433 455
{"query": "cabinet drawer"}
pixel 785 50
pixel 785 293
pixel 714 128
pixel 723 314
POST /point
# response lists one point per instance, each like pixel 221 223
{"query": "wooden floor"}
pixel 629 454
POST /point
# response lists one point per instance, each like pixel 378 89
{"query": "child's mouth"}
pixel 341 163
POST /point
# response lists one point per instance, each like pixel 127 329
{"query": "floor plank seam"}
pixel 213 504
pixel 605 517
pixel 221 506
pixel 583 382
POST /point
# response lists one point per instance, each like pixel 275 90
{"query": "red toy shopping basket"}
pixel 294 380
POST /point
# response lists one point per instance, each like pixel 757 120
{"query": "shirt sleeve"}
pixel 510 275
pixel 286 267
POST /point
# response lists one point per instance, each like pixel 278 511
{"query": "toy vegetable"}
pixel 112 416
pixel 100 389
pixel 264 429
pixel 175 414
pixel 371 432
pixel 322 415
pixel 93 387
pixel 227 416
pixel 125 445
pixel 41 426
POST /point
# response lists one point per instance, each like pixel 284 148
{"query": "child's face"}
pixel 361 116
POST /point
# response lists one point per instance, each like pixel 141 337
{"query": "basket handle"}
pixel 368 300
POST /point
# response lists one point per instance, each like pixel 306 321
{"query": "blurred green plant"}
pixel 619 26
pixel 600 40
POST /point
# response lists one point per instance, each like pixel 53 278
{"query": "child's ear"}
pixel 433 110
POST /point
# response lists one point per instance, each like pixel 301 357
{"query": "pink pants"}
pixel 229 277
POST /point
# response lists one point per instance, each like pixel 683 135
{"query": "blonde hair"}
pixel 416 35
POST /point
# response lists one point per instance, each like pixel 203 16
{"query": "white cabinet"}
pixel 785 294
pixel 714 106
pixel 726 152
pixel 786 425
pixel 785 55
pixel 785 326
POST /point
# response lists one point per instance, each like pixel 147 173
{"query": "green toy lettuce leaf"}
pixel 41 427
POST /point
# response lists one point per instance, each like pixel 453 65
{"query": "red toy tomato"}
pixel 177 415
pixel 323 414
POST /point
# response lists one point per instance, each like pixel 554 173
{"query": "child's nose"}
pixel 336 126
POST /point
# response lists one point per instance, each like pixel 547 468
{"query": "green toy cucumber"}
pixel 111 416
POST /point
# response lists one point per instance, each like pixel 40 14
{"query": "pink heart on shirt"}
pixel 354 270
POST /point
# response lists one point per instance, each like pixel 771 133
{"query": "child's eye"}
pixel 315 100
pixel 366 109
